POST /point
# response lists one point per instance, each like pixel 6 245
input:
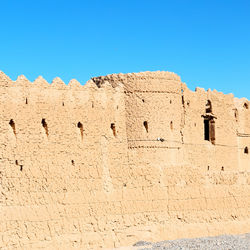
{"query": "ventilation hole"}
pixel 246 150
pixel 222 168
pixel 188 103
pixel 171 125
pixel 73 162
pixel 143 100
pixel 21 167
pixel 209 107
pixel 80 126
pixel 13 126
pixel 145 124
pixel 112 126
pixel 26 101
pixel 245 105
pixel 45 126
pixel 16 162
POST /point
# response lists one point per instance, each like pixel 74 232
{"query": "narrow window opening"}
pixel 80 126
pixel 45 126
pixel 209 107
pixel 145 124
pixel 62 103
pixel 26 101
pixel 208 168
pixel 112 126
pixel 170 101
pixel 73 162
pixel 222 168
pixel 246 150
pixel 21 167
pixel 13 126
pixel 16 162
pixel 245 105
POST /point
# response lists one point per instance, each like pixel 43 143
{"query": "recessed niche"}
pixel 13 126
pixel 145 124
pixel 246 150
pixel 45 126
pixel 80 126
pixel 112 126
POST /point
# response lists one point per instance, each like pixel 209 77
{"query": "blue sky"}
pixel 206 42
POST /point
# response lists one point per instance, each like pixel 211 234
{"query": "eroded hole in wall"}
pixel 236 115
pixel 171 125
pixel 143 100
pixel 80 126
pixel 112 126
pixel 73 162
pixel 245 105
pixel 13 126
pixel 45 126
pixel 145 124
pixel 222 168
pixel 246 150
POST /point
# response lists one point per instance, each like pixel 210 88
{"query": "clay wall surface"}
pixel 119 160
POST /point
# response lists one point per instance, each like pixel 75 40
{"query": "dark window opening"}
pixel 80 126
pixel 246 150
pixel 143 100
pixel 13 126
pixel 206 130
pixel 73 162
pixel 26 101
pixel 45 126
pixel 21 167
pixel 16 162
pixel 112 126
pixel 236 115
pixel 245 105
pixel 208 168
pixel 209 130
pixel 182 100
pixel 145 124
pixel 209 107
pixel 222 168
pixel 62 103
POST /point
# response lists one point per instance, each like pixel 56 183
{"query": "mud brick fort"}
pixel 126 157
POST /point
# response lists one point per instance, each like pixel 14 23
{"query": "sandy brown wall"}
pixel 76 182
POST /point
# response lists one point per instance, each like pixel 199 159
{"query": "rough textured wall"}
pixel 118 160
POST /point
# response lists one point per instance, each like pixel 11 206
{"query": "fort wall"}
pixel 124 158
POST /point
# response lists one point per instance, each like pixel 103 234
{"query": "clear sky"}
pixel 206 42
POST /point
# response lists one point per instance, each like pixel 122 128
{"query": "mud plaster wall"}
pixel 79 169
